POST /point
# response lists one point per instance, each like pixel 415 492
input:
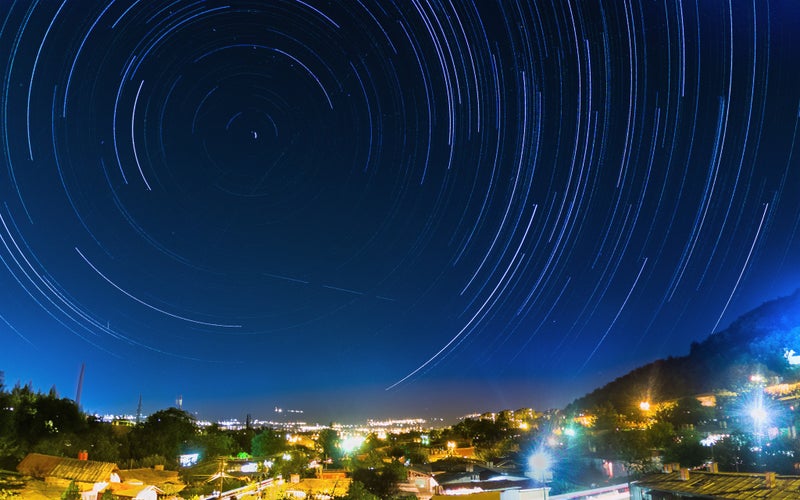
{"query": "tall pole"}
pixel 80 386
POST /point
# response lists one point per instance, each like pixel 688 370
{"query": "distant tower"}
pixel 2 379
pixel 80 386
pixel 248 421
pixel 179 402
pixel 139 411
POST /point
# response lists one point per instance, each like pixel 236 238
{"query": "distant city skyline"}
pixel 370 209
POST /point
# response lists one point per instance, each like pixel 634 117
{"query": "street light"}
pixel 759 415
pixel 539 467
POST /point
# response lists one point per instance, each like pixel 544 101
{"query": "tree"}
pixel 108 495
pixel 381 482
pixel 214 442
pixel 102 442
pixel 165 433
pixel 607 418
pixel 268 442
pixel 633 449
pixel 687 413
pixel 293 462
pixel 357 491
pixel 660 435
pixel 72 492
pixel 781 455
pixel 37 417
pixel 734 453
pixel 243 439
pixel 686 451
pixel 329 442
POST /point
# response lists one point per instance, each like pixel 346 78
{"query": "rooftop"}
pixel 729 485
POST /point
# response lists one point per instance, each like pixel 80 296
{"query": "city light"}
pixel 188 459
pixel 713 439
pixel 644 406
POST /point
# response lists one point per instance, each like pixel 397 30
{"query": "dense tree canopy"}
pixel 268 442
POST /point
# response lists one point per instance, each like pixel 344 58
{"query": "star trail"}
pixel 362 207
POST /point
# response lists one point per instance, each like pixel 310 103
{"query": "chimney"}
pixel 684 474
pixel 158 467
pixel 713 467
pixel 83 455
pixel 769 480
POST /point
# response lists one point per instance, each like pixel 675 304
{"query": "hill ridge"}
pixel 760 340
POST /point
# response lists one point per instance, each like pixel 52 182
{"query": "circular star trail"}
pixel 309 195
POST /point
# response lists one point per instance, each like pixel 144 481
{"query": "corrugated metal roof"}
pixel 723 485
pixel 88 471
pixel 38 465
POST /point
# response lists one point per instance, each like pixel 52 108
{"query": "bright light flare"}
pixel 351 443
pixel 759 414
pixel 539 465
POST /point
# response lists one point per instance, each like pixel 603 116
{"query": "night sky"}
pixel 369 208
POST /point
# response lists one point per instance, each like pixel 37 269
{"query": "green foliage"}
pixel 381 482
pixel 357 491
pixel 214 442
pixel 734 453
pixel 108 495
pixel 632 447
pixel 687 451
pixel 35 421
pixel 329 443
pixel 72 492
pixel 608 418
pixel 687 412
pixel 782 455
pixel 268 442
pixel 152 461
pixel 243 439
pixel 165 433
pixel 296 463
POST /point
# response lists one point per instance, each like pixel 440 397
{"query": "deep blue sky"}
pixel 372 208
